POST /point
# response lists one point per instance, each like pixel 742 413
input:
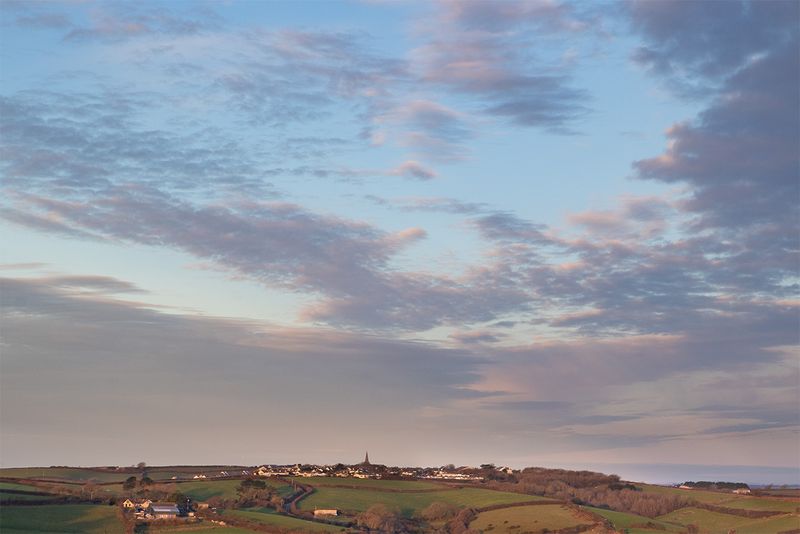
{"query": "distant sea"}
pixel 754 475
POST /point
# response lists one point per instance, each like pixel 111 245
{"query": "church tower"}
pixel 366 459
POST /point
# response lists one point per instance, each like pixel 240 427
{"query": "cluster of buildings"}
pixel 368 470
pixel 441 474
pixel 147 509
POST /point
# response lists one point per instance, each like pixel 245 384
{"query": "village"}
pixel 188 510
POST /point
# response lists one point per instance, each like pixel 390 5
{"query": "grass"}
pixel 5 497
pixel 728 500
pixel 60 519
pixel 524 519
pixel 203 528
pixel 756 503
pixel 268 516
pixel 715 522
pixel 622 520
pixel 368 483
pixel 353 500
pixel 203 490
pixel 64 473
pixel 215 529
pixel 13 486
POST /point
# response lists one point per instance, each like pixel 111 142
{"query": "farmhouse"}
pixel 325 512
pixel 127 503
pixel 163 511
pixel 742 491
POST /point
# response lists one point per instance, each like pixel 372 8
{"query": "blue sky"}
pixel 531 233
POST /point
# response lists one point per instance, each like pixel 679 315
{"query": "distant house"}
pixel 742 491
pixel 127 503
pixel 325 512
pixel 684 486
pixel 164 511
pixel 202 505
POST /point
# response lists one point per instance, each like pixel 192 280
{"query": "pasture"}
pixel 369 483
pixel 715 522
pixel 409 504
pixel 6 497
pixel 267 516
pixel 202 490
pixel 527 519
pixel 621 521
pixel 13 486
pixel 76 474
pixel 60 519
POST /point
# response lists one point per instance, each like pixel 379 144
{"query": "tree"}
pixel 140 466
pixel 379 517
pixel 146 481
pixel 439 510
pixel 129 483
pixel 91 489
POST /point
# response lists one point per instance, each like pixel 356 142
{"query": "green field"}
pixel 368 483
pixel 13 486
pixel 60 519
pixel 714 522
pixel 523 519
pixel 756 503
pixel 728 500
pixel 621 520
pixel 204 528
pixel 202 490
pixel 65 473
pixel 353 500
pixel 76 473
pixel 215 529
pixel 5 497
pixel 267 516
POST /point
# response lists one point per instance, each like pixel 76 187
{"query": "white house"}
pixel 325 512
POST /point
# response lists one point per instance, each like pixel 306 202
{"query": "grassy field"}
pixel 527 519
pixel 13 486
pixel 368 483
pixel 67 473
pixel 204 528
pixel 268 516
pixel 714 522
pixel 757 503
pixel 203 490
pixel 5 497
pixel 79 474
pixel 408 503
pixel 60 519
pixel 213 529
pixel 621 520
pixel 728 500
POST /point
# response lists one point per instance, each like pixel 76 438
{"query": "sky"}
pixel 528 233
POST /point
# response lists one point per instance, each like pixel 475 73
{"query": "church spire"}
pixel 366 458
